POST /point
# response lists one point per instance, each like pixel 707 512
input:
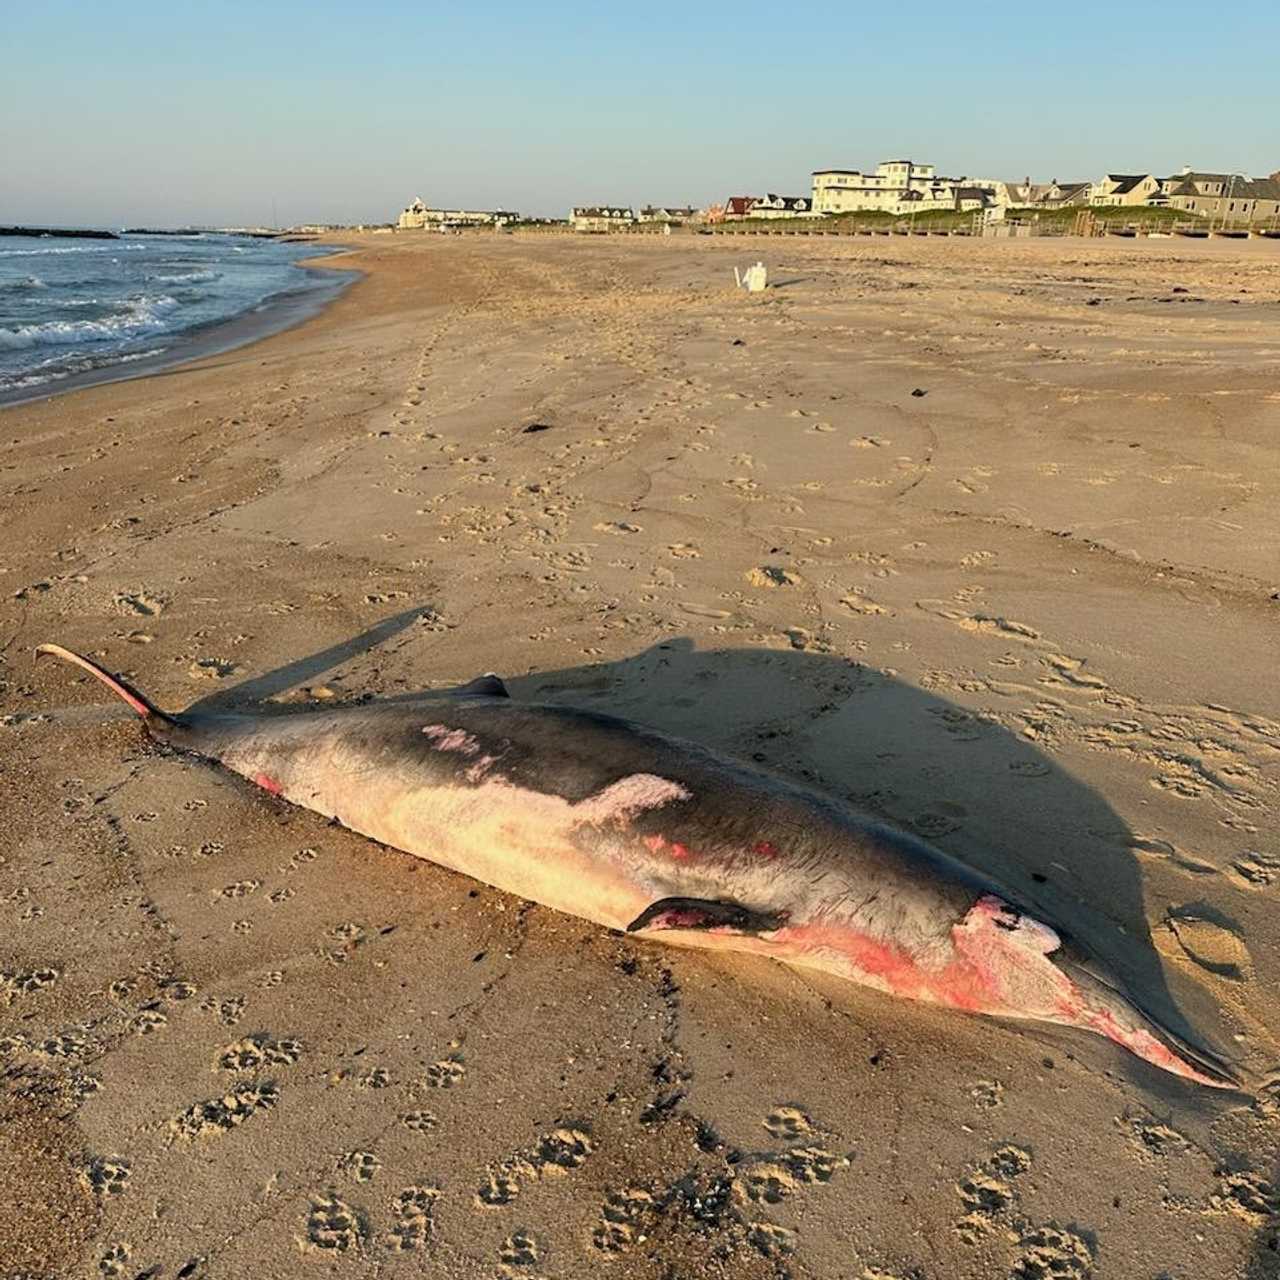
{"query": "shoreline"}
pixel 276 314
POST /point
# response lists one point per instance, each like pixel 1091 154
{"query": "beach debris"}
pixel 753 279
pixel 918 392
pixel 535 427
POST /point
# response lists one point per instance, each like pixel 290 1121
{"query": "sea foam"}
pixel 141 315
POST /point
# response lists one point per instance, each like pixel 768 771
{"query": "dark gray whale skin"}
pixel 633 829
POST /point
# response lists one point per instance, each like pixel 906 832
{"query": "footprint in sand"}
pixel 623 1213
pixel 142 603
pixel 445 1074
pixel 114 1259
pixel 788 1124
pixel 147 1022
pixel 24 982
pixel 363 1166
pixel 1152 1137
pixel 856 602
pixel 520 1249
pixel 770 1179
pixel 987 1094
pixel 1257 870
pixel 107 1175
pixel 220 1115
pixel 1151 847
pixel 501 1185
pixel 557 1152
pixel 257 1051
pixel 1246 1195
pixel 1052 1253
pixel 241 889
pixel 1213 944
pixel 989 624
pixel 212 669
pixel 419 1121
pixel 413 1210
pixel 334 1226
pixel 771 1240
pixel 987 1191
pixel 1070 671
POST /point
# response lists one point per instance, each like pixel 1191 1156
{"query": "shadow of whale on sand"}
pixel 967 784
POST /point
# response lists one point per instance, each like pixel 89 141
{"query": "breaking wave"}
pixel 140 316
pixel 50 371
pixel 31 282
pixel 114 247
pixel 189 277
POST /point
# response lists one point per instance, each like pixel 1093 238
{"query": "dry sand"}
pixel 1030 614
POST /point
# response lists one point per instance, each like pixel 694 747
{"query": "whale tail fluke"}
pixel 151 714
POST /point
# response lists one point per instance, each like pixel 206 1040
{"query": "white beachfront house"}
pixel 901 186
pixel 601 217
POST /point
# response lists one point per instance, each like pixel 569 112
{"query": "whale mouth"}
pixel 1114 1014
pixel 707 913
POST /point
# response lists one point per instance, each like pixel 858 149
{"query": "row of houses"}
pixel 901 187
pixel 1232 197
pixel 418 216
pixel 616 217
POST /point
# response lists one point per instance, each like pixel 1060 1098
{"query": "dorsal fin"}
pixel 485 686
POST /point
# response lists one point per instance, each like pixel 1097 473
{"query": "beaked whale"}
pixel 639 831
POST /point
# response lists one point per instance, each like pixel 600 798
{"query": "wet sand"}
pixel 1029 613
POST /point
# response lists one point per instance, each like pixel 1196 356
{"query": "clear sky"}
pixel 169 113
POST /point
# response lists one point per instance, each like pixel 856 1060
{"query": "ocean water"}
pixel 69 307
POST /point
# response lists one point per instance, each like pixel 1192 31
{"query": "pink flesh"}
pixel 886 966
pixel 993 970
pixel 1078 1011
pixel 445 739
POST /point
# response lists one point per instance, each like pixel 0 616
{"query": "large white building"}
pixel 900 186
pixel 418 217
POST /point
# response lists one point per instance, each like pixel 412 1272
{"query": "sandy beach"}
pixel 981 536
